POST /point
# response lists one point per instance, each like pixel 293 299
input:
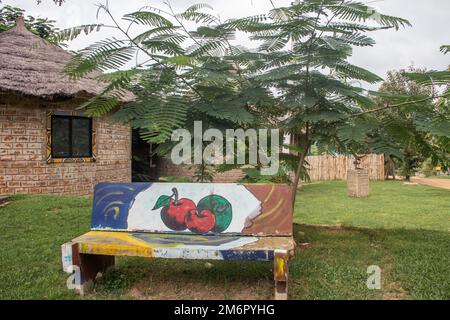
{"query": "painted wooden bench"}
pixel 185 221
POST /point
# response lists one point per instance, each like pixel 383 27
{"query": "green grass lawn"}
pixel 402 229
pixel 391 205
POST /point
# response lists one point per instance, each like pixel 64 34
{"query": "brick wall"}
pixel 23 165
pixel 167 168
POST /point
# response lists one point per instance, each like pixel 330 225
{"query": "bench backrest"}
pixel 193 208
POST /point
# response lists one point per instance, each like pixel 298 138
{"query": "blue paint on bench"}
pixel 247 255
pixel 112 202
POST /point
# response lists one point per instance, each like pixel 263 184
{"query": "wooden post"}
pixel 280 271
pixel 89 265
pixel 358 183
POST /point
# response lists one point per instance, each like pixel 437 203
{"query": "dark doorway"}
pixel 144 162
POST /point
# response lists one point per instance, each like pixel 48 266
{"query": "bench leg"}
pixel 89 266
pixel 280 270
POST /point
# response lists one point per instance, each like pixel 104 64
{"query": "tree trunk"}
pixel 305 147
pixel 408 172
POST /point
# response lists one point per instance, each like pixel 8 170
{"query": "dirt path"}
pixel 438 183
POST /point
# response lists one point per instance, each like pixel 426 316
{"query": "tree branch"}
pixel 399 105
pixel 158 62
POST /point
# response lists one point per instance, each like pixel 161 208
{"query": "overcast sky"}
pixel 418 45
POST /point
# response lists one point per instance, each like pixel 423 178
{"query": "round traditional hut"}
pixel 46 145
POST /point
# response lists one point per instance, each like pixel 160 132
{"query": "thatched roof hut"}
pixel 47 145
pixel 31 66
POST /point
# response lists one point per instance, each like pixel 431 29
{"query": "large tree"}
pixel 183 74
pixel 413 145
pixel 300 72
pixel 304 57
pixel 410 121
pixel 43 27
pixel 437 120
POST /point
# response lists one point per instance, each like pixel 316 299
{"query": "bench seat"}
pixel 173 246
pixel 184 221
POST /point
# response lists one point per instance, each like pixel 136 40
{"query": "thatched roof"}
pixel 31 66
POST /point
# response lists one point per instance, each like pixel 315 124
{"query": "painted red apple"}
pixel 174 210
pixel 200 222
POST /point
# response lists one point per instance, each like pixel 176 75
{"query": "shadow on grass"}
pixel 415 263
pixel 330 263
pixel 187 279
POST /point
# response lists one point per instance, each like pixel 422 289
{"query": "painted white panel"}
pixel 201 252
pixel 142 217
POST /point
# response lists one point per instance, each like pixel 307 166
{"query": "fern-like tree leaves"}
pixel 158 31
pixel 413 125
pixel 160 107
pixel 430 77
pixel 72 33
pixel 437 125
pixel 194 13
pixel 148 18
pixel 304 58
pixel 298 79
pixel 104 55
pixel 358 11
pixel 355 131
pixel 445 49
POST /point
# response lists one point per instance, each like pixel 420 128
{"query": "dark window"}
pixel 71 137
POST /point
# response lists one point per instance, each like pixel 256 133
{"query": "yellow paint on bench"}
pixel 280 267
pixel 99 242
pixel 268 213
pixel 116 250
pixel 121 236
pixel 270 194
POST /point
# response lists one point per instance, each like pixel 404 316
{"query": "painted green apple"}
pixel 221 208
